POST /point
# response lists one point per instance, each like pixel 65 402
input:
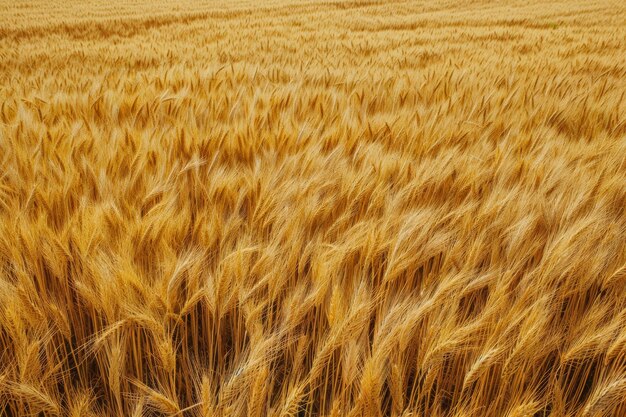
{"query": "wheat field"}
pixel 305 208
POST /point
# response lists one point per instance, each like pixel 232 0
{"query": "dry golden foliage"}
pixel 321 208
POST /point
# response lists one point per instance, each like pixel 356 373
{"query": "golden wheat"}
pixel 321 208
